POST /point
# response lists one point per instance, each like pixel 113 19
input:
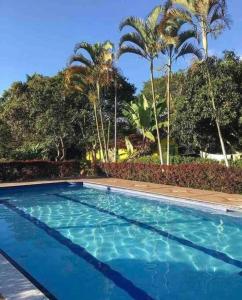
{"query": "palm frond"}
pixel 188 48
pixel 181 14
pixel 167 5
pixel 136 23
pixel 154 15
pixel 187 4
pixel 219 15
pixel 130 49
pixel 70 78
pixel 80 58
pixel 76 70
pixel 134 38
pixel 89 48
pixel 184 36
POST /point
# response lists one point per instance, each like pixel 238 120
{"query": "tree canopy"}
pixel 42 118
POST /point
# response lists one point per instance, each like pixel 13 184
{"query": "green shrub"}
pixel 200 176
pixel 30 170
pixel 237 163
pixel 176 160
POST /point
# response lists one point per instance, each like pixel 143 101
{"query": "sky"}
pixel 39 36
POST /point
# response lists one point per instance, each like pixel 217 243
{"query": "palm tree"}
pixel 179 47
pixel 80 78
pixel 95 72
pixel 115 118
pixel 115 59
pixel 145 42
pixel 208 17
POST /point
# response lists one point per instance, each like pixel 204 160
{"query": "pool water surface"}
pixel 81 242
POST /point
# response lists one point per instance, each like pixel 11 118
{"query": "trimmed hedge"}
pixel 201 176
pixel 30 170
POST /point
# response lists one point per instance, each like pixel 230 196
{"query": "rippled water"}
pixel 166 251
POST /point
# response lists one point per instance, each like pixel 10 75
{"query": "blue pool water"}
pixel 91 244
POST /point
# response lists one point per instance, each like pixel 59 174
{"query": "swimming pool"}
pixel 82 242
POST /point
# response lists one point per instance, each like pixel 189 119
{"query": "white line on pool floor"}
pixel 14 285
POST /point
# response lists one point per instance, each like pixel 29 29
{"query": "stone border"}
pixel 177 197
pixel 229 202
pixel 14 285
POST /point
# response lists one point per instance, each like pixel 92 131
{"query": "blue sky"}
pixel 39 36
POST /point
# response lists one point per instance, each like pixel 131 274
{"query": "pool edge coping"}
pixel 16 273
pixel 186 201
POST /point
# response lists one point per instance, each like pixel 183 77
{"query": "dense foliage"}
pixel 42 118
pixel 193 118
pixel 30 170
pixel 192 124
pixel 89 109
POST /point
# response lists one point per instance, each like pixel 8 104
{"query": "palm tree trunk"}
pixel 217 120
pixel 63 150
pixel 98 132
pixel 168 111
pixel 102 125
pixel 155 111
pixel 115 119
pixel 204 38
pixel 58 151
pixel 108 139
pixel 205 46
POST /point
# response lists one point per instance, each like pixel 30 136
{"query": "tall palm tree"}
pixel 179 47
pixel 95 71
pixel 145 42
pixel 115 77
pixel 81 79
pixel 208 17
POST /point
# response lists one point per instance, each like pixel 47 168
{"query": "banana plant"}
pixel 140 115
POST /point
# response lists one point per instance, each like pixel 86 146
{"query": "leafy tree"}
pixel 208 17
pixel 42 118
pixel 56 113
pixel 193 119
pixel 15 114
pixel 5 139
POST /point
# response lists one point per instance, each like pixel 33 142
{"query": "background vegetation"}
pixel 38 115
pixel 90 109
